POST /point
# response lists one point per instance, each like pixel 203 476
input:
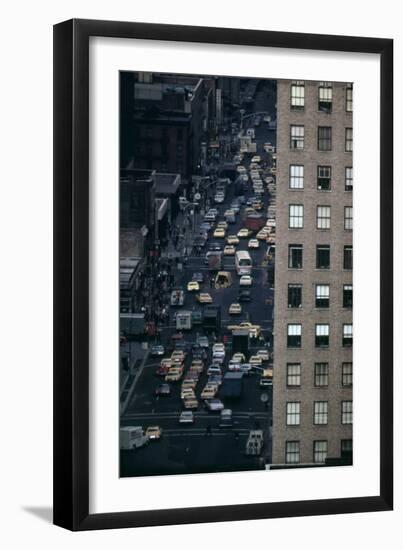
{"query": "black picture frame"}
pixel 71 274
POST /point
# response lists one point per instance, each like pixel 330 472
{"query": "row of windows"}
pixel 321 375
pixel 296 217
pixel 324 177
pixel 320 413
pixel 322 335
pixel 325 96
pixel 324 140
pixel 322 295
pixel 292 450
pixel 295 256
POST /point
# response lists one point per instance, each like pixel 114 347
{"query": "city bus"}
pixel 243 262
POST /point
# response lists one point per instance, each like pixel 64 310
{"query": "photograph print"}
pixel 235 270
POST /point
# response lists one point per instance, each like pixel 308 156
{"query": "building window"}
pixel 322 295
pixel 348 257
pixel 292 452
pixel 296 176
pixel 349 140
pixel 179 134
pixel 321 374
pixel 349 97
pixel 348 182
pixel 325 97
pixel 294 295
pixel 322 336
pixel 293 374
pixel 297 95
pixel 297 135
pixel 319 451
pixel 348 296
pixel 294 333
pixel 322 256
pixel 347 374
pixel 348 218
pixel 295 256
pixel 323 217
pixel 296 216
pixel 347 336
pixel 320 409
pixel 324 178
pixel 293 413
pixel 346 412
pixel 324 138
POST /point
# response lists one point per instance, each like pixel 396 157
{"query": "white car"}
pixel 186 417
pixel 253 243
pixel 214 405
pixel 263 353
pixel 235 309
pixel 218 346
pixel 214 369
pixel 245 280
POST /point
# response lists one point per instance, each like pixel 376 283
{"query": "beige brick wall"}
pixel 337 237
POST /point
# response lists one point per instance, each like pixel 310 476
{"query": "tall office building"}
pixel 312 386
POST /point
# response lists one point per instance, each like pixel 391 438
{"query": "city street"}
pixel 204 446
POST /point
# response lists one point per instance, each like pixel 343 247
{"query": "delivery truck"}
pixel 132 325
pixel 132 437
pixel 184 320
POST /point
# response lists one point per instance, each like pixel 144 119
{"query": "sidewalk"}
pixel 130 384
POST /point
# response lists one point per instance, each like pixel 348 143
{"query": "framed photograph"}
pixel 204 240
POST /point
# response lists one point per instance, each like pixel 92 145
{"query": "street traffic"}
pixel 200 398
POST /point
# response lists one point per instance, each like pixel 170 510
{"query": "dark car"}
pixel 215 246
pixel 205 227
pixel 181 345
pixel 198 277
pixel 199 353
pixel 203 342
pixel 162 389
pixel 157 350
pixel 244 296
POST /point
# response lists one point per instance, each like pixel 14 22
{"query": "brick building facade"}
pixel 312 387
